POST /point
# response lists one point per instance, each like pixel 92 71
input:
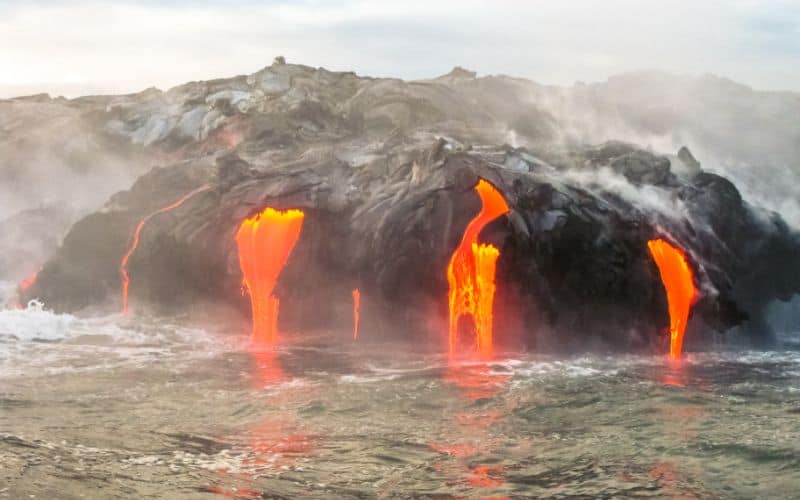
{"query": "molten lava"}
pixel 265 242
pixel 471 271
pixel 29 281
pixel 24 285
pixel 679 284
pixel 123 268
pixel 356 305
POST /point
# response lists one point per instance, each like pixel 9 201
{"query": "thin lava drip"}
pixel 123 268
pixel 356 306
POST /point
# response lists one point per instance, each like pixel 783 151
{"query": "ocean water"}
pixel 110 407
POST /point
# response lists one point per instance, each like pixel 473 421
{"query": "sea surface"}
pixel 114 407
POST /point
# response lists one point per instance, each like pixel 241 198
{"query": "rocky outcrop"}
pixel 384 170
pixel 574 267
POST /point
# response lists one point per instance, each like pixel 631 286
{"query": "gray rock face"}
pixel 384 171
pixel 574 270
pixel 640 168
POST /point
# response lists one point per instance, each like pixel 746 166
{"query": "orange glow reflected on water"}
pixel 267 370
pixel 272 445
pixel 275 443
pixel 475 381
pixel 471 428
pixel 486 476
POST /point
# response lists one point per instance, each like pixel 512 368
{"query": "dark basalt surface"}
pixel 574 271
pixel 384 170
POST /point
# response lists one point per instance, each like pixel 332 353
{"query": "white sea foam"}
pixel 366 379
pixel 35 340
pixel 532 366
pixel 35 323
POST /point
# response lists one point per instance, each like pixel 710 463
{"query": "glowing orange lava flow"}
pixel 23 287
pixel 681 292
pixel 123 268
pixel 470 273
pixel 356 304
pixel 29 281
pixel 265 242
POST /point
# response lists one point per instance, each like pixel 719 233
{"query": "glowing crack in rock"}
pixel 137 233
pixel 356 305
pixel 471 271
pixel 265 242
pixel 679 283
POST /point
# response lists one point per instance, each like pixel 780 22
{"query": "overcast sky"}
pixel 80 47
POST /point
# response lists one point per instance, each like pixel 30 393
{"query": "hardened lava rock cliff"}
pixel 384 171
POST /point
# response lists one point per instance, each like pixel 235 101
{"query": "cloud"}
pixel 90 46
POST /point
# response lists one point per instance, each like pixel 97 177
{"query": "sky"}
pixel 88 47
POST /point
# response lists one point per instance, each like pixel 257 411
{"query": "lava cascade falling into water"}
pixel 356 305
pixel 679 283
pixel 470 273
pixel 265 242
pixel 123 268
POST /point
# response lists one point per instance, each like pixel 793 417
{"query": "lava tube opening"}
pixel 137 233
pixel 265 242
pixel 678 279
pixel 471 273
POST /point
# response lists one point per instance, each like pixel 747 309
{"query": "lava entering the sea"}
pixel 679 283
pixel 356 305
pixel 123 268
pixel 265 242
pixel 471 271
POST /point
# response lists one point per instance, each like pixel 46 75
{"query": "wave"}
pixel 35 340
pixel 35 323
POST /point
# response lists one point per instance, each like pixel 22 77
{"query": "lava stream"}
pixel 471 271
pixel 679 283
pixel 265 242
pixel 356 305
pixel 126 280
pixel 23 287
pixel 29 281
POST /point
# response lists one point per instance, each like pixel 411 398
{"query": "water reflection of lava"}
pixel 475 382
pixel 266 368
pixel 273 444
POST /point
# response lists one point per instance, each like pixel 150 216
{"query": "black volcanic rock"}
pixel 574 272
pixel 688 159
pixel 384 170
